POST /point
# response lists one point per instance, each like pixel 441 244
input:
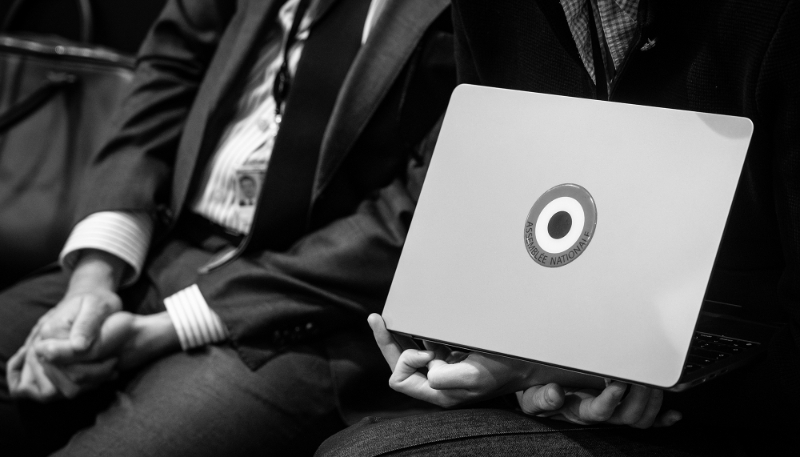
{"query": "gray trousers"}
pixel 202 403
pixel 498 432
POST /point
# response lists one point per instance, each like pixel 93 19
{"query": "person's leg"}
pixel 209 403
pixel 485 432
pixel 28 428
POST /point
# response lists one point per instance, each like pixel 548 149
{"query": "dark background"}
pixel 119 24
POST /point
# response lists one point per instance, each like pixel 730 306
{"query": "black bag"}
pixel 57 99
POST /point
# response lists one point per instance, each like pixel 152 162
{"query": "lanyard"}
pixel 282 82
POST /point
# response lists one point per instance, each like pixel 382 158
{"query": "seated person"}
pixel 184 323
pixel 720 58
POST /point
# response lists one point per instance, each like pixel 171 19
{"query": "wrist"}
pixel 155 336
pixel 96 270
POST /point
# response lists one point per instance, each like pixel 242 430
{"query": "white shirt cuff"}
pixel 120 233
pixel 197 325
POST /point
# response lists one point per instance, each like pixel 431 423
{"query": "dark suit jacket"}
pixel 730 57
pixel 372 162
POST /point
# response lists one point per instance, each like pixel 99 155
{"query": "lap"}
pixel 210 403
pixel 201 403
pixel 481 432
pixel 23 304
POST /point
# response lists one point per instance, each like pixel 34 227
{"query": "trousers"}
pixel 202 403
pixel 503 432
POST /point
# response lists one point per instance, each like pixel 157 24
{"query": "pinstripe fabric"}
pixel 616 26
pixel 245 144
pixel 194 321
pixel 123 234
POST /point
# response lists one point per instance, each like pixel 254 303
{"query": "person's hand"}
pixel 43 370
pixel 641 408
pixel 25 375
pixel 452 378
pixel 75 322
pixel 125 342
pixel 455 378
pixel 73 325
pixel 91 297
pixel 47 369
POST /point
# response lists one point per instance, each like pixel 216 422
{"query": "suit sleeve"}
pixel 330 278
pixel 132 171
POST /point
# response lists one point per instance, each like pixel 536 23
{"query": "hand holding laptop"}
pixel 455 378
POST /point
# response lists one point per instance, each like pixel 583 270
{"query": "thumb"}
pixel 86 328
pixel 541 399
pixel 409 362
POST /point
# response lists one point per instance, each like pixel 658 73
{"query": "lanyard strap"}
pixel 282 214
pixel 280 86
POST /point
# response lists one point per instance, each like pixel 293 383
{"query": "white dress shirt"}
pixel 244 147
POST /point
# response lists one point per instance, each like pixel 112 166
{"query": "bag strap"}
pixel 27 106
pixel 84 7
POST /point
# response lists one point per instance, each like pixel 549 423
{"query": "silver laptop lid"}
pixel 647 196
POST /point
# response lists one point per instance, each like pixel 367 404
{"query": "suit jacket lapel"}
pixel 230 55
pixel 391 42
pixel 322 8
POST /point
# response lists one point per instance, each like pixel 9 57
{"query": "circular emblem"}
pixel 560 225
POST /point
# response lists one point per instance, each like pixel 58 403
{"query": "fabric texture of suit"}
pixel 727 57
pixel 372 162
pixel 369 174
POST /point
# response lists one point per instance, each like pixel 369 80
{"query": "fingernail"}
pixel 80 342
pixel 675 417
pixel 552 396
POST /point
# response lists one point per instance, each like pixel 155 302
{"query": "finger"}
pixel 441 351
pixel 92 374
pixel 33 383
pixel 46 390
pixel 601 407
pixel 463 375
pixel 389 348
pixel 25 387
pixel 630 410
pixel 61 381
pixel 407 379
pixel 536 400
pixel 457 356
pixel 668 418
pixel 87 324
pixel 74 379
pixel 440 354
pixel 58 351
pixel 408 364
pixel 14 368
pixel 651 411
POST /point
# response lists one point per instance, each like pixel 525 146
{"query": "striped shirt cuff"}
pixel 120 233
pixel 194 321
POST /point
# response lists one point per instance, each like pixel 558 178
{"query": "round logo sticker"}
pixel 560 225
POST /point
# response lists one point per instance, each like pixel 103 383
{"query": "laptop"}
pixel 579 234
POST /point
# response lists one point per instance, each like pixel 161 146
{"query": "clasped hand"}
pixel 457 378
pixel 74 347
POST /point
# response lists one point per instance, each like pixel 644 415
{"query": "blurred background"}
pixel 119 24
